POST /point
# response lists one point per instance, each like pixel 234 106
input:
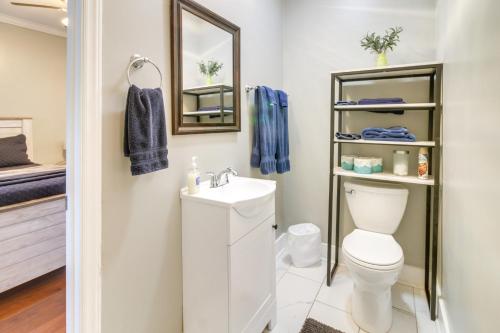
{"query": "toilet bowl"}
pixel 371 254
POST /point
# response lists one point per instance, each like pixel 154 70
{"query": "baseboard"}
pixel 443 319
pixel 280 244
pixel 443 322
pixel 324 252
pixel 411 275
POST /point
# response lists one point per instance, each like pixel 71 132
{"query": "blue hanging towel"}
pixel 282 159
pixel 264 131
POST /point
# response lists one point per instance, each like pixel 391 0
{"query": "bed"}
pixel 32 214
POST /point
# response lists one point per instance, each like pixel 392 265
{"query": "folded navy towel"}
pixel 396 133
pixel 145 140
pixel 346 103
pixel 391 100
pixel 214 108
pixel 347 136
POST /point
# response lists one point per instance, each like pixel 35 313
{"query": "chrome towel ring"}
pixel 137 62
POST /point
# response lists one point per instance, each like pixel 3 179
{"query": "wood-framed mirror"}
pixel 205 71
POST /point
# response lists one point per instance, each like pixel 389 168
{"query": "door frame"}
pixel 84 142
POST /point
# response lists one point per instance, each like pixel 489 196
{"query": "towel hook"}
pixel 137 62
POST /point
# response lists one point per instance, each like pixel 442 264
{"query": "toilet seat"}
pixel 373 250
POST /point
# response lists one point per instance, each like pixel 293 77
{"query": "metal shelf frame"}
pixel 216 89
pixel 434 73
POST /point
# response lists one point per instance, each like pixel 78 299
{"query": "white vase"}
pixel 382 59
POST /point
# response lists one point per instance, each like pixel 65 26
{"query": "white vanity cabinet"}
pixel 228 259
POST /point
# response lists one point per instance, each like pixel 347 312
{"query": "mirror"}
pixel 205 71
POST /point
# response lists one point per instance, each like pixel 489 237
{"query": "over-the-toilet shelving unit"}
pixel 213 89
pixel 433 72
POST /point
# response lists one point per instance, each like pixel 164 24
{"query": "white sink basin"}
pixel 240 192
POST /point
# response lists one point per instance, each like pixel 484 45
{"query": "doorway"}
pixel 58 265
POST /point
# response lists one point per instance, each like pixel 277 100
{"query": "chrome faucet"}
pixel 222 178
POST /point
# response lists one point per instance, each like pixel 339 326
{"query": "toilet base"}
pixel 372 309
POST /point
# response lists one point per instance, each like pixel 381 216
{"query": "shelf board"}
pixel 206 113
pixel 384 176
pixel 409 70
pixel 385 107
pixel 210 89
pixel 391 143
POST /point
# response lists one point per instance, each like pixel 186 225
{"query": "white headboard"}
pixel 15 126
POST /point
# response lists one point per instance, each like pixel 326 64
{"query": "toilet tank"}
pixel 376 206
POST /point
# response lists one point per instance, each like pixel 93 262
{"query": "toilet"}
pixel 371 254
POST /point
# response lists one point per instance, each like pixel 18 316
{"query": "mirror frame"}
pixel 176 64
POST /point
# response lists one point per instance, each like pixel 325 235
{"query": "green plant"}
pixel 211 68
pixel 379 44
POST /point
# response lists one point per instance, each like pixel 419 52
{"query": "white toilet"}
pixel 371 254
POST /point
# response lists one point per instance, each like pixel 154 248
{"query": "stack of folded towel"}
pixel 396 133
pixel 346 103
pixel 371 101
pixel 347 136
pixel 390 100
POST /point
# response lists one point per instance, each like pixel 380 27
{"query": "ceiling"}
pixel 47 20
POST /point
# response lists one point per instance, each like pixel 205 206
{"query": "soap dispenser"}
pixel 193 178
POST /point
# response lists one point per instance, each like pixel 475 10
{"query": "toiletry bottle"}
pixel 423 163
pixel 193 178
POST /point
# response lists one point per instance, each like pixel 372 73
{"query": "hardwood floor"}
pixel 36 307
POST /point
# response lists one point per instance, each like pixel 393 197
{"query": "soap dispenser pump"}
pixel 193 179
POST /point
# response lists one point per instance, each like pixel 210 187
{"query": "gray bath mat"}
pixel 313 326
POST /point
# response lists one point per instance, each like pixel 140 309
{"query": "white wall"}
pixel 322 36
pixel 33 84
pixel 468 35
pixel 203 41
pixel 142 279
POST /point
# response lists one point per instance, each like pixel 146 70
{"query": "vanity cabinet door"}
pixel 252 277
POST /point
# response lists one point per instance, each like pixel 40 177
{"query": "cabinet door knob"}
pixel 275 226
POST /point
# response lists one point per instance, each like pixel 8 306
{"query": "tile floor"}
pixel 302 293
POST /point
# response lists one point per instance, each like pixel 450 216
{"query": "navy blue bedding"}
pixel 20 188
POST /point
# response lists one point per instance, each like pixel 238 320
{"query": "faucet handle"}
pixel 232 171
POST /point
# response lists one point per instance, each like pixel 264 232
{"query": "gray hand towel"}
pixel 145 140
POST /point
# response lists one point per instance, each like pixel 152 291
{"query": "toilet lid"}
pixel 372 248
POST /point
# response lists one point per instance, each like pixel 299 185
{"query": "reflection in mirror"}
pixel 207 71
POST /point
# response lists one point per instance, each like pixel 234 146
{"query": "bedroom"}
pixel 32 168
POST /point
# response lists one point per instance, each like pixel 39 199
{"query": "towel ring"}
pixel 137 62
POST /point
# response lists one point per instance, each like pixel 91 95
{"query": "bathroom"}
pixel 294 46
pixel 155 256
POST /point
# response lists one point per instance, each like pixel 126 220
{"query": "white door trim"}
pixel 84 116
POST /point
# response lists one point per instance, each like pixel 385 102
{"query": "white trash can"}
pixel 304 244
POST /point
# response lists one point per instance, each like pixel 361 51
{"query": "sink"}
pixel 244 194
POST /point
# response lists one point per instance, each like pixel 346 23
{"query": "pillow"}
pixel 13 151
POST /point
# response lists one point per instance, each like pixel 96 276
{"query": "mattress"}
pixel 20 184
